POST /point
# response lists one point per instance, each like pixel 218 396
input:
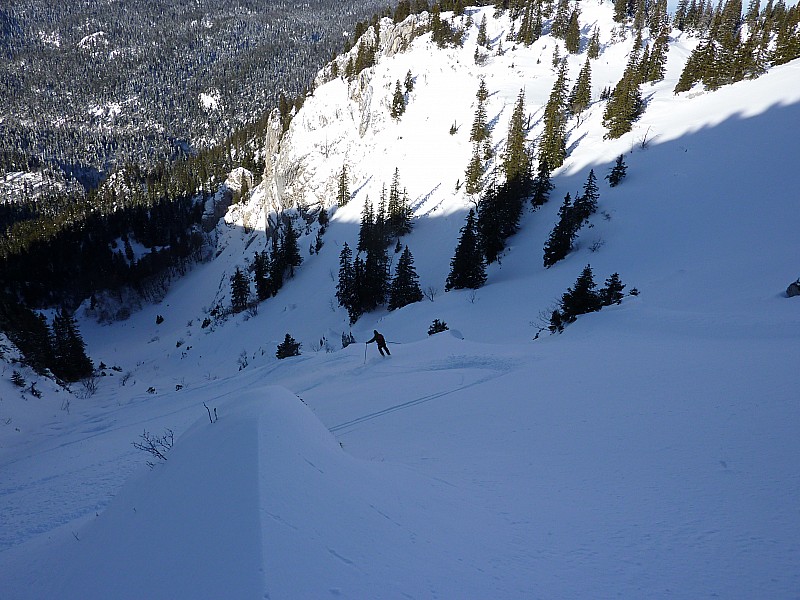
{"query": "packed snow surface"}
pixel 649 451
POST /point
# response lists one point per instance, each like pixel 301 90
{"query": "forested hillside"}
pixel 87 86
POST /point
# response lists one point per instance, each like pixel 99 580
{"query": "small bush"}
pixel 437 327
pixel 17 379
pixel 289 347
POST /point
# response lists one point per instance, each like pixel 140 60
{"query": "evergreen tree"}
pixel 560 25
pixel 581 298
pixel 617 174
pixel 467 267
pixel 586 204
pixel 398 102
pixel 289 347
pixel 473 183
pixel 556 322
pixel 498 215
pixel 553 145
pixel 346 287
pixel 480 131
pixel 581 95
pixel 559 243
pixel 69 351
pixel 572 39
pixel 366 232
pixel 542 186
pixel 483 40
pixel 657 64
pixel 405 285
pixel 593 49
pixel 17 379
pixel 261 275
pixel 490 224
pixel 240 291
pixel 752 15
pixel 612 292
pixel 696 66
pixel 402 11
pixel 787 40
pixel 515 8
pixel 323 219
pixel 29 332
pixel 679 20
pixel 374 287
pixel 625 104
pixel 381 235
pixel 355 310
pixel 398 210
pixel 409 82
pixel 291 250
pixel 530 28
pixel 276 265
pixel 620 10
pixel 516 159
pixel 343 193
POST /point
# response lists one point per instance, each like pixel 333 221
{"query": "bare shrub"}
pixel 431 292
pixel 156 446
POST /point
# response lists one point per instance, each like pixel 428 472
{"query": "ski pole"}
pixel 365 353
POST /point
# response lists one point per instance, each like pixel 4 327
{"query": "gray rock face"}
pixel 793 289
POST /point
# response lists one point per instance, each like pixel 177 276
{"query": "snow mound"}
pixel 241 502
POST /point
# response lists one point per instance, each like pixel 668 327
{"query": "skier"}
pixel 381 342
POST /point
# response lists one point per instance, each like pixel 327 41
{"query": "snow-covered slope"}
pixel 648 451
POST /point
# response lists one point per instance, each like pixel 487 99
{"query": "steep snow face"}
pixel 645 452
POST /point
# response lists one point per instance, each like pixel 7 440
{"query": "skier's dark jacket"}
pixel 378 338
